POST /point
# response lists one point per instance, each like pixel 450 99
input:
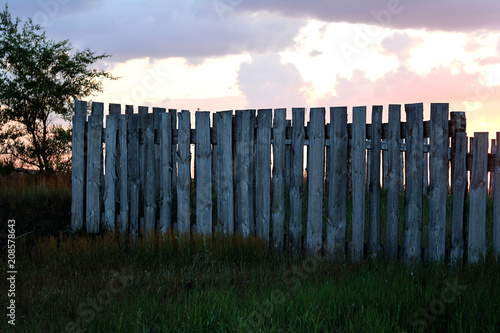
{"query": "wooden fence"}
pixel 142 180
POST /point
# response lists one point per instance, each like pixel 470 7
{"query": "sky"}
pixel 217 55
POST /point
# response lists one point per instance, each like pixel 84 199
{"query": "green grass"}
pixel 226 284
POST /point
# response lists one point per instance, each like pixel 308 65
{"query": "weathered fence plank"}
pixel 374 185
pixel 496 204
pixel 278 205
pixel 393 180
pixel 110 176
pixel 149 176
pixel 438 165
pixel 184 173
pixel 358 181
pixel 263 174
pixel 133 166
pixel 493 150
pixel 94 164
pixel 173 117
pixel 336 222
pixel 225 197
pixel 165 134
pixel 123 178
pixel 478 194
pixel 459 189
pixel 78 167
pixel 414 183
pixel 245 223
pixel 143 114
pixel 288 153
pixel 296 179
pixel 315 181
pixel 203 174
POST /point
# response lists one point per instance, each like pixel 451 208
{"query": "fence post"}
pixel 203 174
pixel 478 194
pixel 496 204
pixel 78 167
pixel 438 161
pixel 374 185
pixel 393 180
pixel 165 172
pixel 94 163
pixel 110 176
pixel 414 183
pixel 225 191
pixel 263 174
pixel 337 192
pixel 315 180
pixel 149 175
pixel 288 154
pixel 296 178
pixel 245 224
pixel 358 181
pixel 184 175
pixel 133 168
pixel 459 189
pixel 278 208
pixel 124 191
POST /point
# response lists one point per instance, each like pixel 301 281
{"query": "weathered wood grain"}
pixel 78 167
pixel 438 165
pixel 184 174
pixel 374 183
pixel 225 194
pixel 315 181
pixel 149 176
pixel 203 174
pixel 263 174
pixel 414 184
pixel 478 194
pixel 110 175
pixel 278 204
pixel 459 188
pixel 358 181
pixel 296 179
pixel 165 132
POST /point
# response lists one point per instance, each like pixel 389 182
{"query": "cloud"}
pixel 447 15
pixel 400 45
pixel 267 83
pixel 162 29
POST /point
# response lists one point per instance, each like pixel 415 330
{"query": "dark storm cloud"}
pixel 160 29
pixel 447 15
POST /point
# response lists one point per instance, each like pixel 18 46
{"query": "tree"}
pixel 39 80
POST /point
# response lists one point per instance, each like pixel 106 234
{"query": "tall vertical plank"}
pixel 78 167
pixel 165 172
pixel 493 149
pixel 278 208
pixel 496 204
pixel 263 174
pixel 374 185
pixel 438 165
pixel 315 181
pixel 414 183
pixel 115 110
pixel 245 223
pixel 336 221
pixel 184 175
pixel 124 197
pixel 426 187
pixel 133 168
pixel 173 116
pixel 94 163
pixel 143 114
pixel 225 194
pixel 358 181
pixel 459 188
pixel 385 168
pixel 215 158
pixel 156 128
pixel 110 176
pixel 288 154
pixel 393 180
pixel 296 178
pixel 203 174
pixel 478 194
pixel 149 175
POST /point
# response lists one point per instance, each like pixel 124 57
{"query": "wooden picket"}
pixel 127 174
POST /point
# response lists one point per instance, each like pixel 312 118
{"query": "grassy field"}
pixel 170 283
